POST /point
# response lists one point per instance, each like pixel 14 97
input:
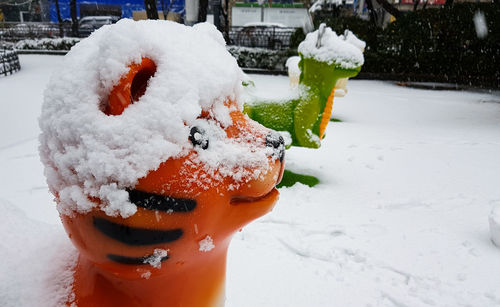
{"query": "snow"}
pixel 207 244
pixel 318 4
pixel 264 24
pixel 480 24
pixel 333 49
pixel 292 64
pixel 155 260
pixel 352 39
pixel 409 179
pixel 88 154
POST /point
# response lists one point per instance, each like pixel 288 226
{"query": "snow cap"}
pixel 332 49
pixel 87 153
pixel 354 40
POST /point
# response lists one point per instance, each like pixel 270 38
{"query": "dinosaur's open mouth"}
pixel 241 199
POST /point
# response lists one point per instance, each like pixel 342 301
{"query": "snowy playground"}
pixel 408 180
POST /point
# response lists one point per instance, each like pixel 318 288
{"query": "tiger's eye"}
pixel 198 137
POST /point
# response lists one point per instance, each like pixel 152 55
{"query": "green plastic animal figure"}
pixel 306 117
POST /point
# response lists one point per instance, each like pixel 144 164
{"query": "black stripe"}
pixel 135 236
pixel 131 260
pixel 158 202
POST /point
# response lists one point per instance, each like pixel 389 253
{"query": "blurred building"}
pixel 35 10
pixel 289 13
pixel 45 10
pixel 121 8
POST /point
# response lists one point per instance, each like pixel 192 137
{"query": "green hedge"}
pixel 432 45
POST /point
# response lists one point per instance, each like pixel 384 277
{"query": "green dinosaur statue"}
pixel 306 117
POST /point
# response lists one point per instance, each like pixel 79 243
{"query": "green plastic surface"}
pixel 302 117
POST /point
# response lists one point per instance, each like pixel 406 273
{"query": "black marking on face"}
pixel 277 143
pixel 131 260
pixel 158 202
pixel 198 137
pixel 135 236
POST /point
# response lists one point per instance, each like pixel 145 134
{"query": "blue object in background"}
pixel 127 6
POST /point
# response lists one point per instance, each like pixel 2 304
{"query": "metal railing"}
pixel 9 62
pixel 274 38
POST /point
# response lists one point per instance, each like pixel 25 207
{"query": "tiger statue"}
pixel 170 248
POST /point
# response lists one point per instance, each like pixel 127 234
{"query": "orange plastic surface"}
pixel 189 277
pixel 327 113
pixel 131 87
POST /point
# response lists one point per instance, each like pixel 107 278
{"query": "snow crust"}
pixel 87 153
pixel 333 50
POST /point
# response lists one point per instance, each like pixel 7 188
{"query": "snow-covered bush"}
pixel 260 58
pixel 64 43
pixel 439 45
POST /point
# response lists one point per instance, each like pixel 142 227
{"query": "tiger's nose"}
pixel 276 144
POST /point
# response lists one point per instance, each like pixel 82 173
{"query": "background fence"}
pixel 274 38
pixel 9 62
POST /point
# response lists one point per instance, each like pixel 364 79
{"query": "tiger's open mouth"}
pixel 241 199
pixel 134 260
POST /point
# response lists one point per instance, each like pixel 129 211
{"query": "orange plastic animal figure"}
pixel 172 251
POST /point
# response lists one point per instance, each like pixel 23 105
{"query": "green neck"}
pixel 322 76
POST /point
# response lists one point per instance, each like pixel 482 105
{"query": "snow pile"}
pixel 87 153
pixel 333 49
pixel 29 249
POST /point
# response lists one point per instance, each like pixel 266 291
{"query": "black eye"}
pixel 198 137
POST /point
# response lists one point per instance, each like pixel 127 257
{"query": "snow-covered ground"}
pixel 409 178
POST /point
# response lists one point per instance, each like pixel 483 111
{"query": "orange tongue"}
pixel 325 118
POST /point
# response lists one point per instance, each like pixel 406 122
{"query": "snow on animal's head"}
pixel 187 98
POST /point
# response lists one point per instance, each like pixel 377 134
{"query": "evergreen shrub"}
pixel 432 45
